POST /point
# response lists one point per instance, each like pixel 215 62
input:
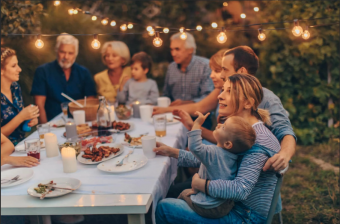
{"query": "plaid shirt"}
pixel 194 84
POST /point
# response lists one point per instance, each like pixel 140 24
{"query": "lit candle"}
pixel 68 155
pixel 135 106
pixel 51 145
pixel 71 130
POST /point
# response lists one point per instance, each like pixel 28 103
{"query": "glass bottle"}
pixel 103 117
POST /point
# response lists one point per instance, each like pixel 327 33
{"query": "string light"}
pixel 222 37
pixel 181 29
pixel 70 11
pixel 214 25
pixel 149 28
pixel 306 34
pixel 39 43
pixel 199 28
pixel 157 41
pixel 75 11
pixel 225 3
pixel 130 26
pixel 152 32
pixel 297 29
pixel 113 23
pixel 166 30
pixel 105 21
pixel 94 18
pixel 256 9
pixel 56 3
pixel 95 43
pixel 183 36
pixel 243 16
pixel 261 35
pixel 123 27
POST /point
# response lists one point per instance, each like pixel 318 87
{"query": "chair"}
pixel 276 197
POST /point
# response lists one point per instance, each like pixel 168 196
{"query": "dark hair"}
pixel 143 58
pixel 245 57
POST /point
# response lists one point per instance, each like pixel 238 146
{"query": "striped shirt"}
pixel 194 84
pixel 251 186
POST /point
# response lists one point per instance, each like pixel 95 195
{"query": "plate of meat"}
pixel 133 141
pixel 122 127
pixel 99 153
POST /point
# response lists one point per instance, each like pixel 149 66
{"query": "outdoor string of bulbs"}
pixel 157 41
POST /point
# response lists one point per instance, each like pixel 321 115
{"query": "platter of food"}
pixel 99 153
pixel 133 141
pixel 122 127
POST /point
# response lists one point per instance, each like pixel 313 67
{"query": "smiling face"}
pixel 66 55
pixel 10 71
pixel 112 59
pixel 179 53
pixel 216 78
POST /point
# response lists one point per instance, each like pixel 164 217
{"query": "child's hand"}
pixel 201 118
pixel 191 192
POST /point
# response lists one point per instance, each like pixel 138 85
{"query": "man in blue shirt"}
pixel 61 76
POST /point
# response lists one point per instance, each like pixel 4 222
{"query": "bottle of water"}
pixel 25 126
pixel 103 117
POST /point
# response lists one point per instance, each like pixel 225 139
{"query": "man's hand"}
pixel 191 192
pixel 201 118
pixel 164 150
pixel 185 118
pixel 278 162
pixel 160 110
pixel 176 102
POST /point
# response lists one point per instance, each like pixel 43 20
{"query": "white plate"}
pixel 134 162
pixel 131 146
pixel 21 148
pixel 65 182
pixel 132 126
pixel 57 124
pixel 174 121
pixel 89 161
pixel 25 174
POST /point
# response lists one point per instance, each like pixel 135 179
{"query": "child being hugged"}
pixel 139 87
pixel 219 161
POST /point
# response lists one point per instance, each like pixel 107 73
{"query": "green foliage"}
pixel 297 70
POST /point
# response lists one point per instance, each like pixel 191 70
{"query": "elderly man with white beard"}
pixel 61 75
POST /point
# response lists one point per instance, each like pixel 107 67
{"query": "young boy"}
pixel 217 162
pixel 139 87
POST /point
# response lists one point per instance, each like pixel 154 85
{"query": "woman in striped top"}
pixel 252 189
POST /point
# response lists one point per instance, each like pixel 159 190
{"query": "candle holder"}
pixel 135 106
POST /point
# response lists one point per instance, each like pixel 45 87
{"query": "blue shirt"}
pixel 10 110
pixel 194 84
pixel 50 81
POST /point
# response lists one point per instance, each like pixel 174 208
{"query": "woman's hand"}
pixel 185 118
pixel 26 161
pixel 33 122
pixel 29 113
pixel 164 150
pixel 160 110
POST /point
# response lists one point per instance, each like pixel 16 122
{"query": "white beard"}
pixel 66 64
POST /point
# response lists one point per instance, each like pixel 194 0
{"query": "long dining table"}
pixel 130 193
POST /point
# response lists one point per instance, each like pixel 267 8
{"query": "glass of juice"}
pixel 64 108
pixel 159 122
pixel 32 147
pixel 43 129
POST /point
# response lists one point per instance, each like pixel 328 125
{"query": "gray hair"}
pixel 189 42
pixel 65 38
pixel 119 48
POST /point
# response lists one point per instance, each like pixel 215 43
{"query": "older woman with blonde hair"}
pixel 116 56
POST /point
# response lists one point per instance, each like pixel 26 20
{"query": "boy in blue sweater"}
pixel 217 161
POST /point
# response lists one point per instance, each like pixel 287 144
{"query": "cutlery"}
pixel 121 162
pixel 144 134
pixel 14 179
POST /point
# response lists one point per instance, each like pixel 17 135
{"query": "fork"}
pixel 121 162
pixel 16 178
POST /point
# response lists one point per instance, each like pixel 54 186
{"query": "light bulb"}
pixel 225 3
pixel 199 28
pixel 262 36
pixel 94 18
pixel 166 30
pixel 306 34
pixel 39 43
pixel 221 37
pixel 104 22
pixel 95 43
pixel 181 29
pixel 152 32
pixel 214 25
pixel 157 42
pixel 149 28
pixel 56 3
pixel 183 36
pixel 123 27
pixel 243 16
pixel 75 11
pixel 113 23
pixel 297 30
pixel 256 9
pixel 70 11
pixel 130 26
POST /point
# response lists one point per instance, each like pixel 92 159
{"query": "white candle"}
pixel 68 155
pixel 79 117
pixel 51 145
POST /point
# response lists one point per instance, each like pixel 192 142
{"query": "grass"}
pixel 310 194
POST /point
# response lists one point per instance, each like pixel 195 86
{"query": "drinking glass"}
pixel 43 129
pixel 32 148
pixel 159 122
pixel 64 108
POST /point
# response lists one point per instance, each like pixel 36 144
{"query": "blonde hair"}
pixel 119 48
pixel 189 41
pixel 251 88
pixel 215 61
pixel 6 53
pixel 65 38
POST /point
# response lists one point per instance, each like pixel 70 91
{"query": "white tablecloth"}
pixel 154 178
